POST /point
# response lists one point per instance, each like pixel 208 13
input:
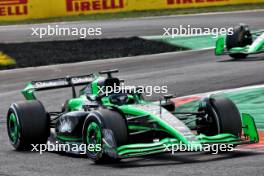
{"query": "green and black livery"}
pixel 241 43
pixel 123 124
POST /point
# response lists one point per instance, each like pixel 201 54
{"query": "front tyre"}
pixel 240 38
pixel 222 116
pixel 104 129
pixel 27 124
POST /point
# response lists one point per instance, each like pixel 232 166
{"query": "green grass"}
pixel 134 14
pixel 195 42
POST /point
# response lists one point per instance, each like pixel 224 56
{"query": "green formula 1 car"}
pixel 241 43
pixel 123 124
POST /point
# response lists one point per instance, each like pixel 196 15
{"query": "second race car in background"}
pixel 241 43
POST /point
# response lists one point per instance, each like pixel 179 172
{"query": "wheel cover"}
pixel 13 128
pixel 94 137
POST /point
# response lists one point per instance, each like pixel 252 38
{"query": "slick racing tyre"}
pixel 107 125
pixel 222 117
pixel 27 124
pixel 240 38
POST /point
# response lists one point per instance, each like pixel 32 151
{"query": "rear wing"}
pixel 69 81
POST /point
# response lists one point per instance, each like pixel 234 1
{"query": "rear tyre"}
pixel 240 38
pixel 108 125
pixel 222 117
pixel 27 124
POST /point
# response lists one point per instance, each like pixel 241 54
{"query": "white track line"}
pixel 224 91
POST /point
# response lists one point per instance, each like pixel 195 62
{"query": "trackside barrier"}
pixel 35 9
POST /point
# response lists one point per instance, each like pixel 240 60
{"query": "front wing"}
pixel 249 136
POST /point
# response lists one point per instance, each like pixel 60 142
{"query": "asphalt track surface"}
pixel 137 27
pixel 184 73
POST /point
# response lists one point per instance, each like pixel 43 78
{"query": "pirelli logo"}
pixel 93 5
pixel 13 7
pixel 172 2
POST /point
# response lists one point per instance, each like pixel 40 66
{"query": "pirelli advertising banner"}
pixel 32 9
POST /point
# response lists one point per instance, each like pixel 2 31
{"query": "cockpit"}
pixel 110 90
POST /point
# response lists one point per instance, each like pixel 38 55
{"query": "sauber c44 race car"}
pixel 241 43
pixel 123 124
